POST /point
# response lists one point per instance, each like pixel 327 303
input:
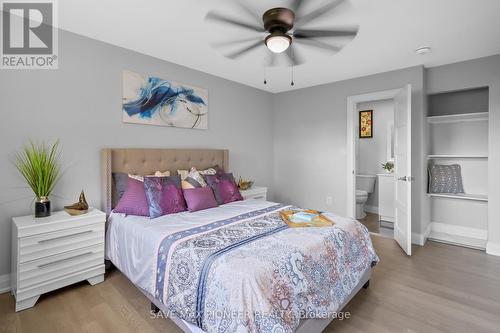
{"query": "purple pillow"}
pixel 224 187
pixel 199 198
pixel 164 195
pixel 133 201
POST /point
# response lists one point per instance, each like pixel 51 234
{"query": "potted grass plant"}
pixel 388 166
pixel 40 167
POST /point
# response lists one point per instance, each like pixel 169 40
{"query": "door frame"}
pixel 352 112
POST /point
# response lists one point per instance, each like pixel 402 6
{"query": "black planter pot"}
pixel 42 207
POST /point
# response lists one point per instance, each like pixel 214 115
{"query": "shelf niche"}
pixel 458 124
pixel 459 102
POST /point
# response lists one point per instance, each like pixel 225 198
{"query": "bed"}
pixel 236 267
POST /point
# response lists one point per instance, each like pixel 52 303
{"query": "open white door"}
pixel 402 161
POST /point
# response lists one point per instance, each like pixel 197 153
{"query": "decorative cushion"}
pixel 199 198
pixel 164 195
pixel 224 187
pixel 157 174
pixel 210 171
pixel 121 180
pixel 194 179
pixel 133 201
pixel 445 179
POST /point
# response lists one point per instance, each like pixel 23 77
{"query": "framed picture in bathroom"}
pixel 366 124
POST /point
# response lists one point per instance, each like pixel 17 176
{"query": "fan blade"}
pixel 294 56
pixel 318 44
pixel 239 53
pixel 234 42
pixel 295 6
pixel 219 18
pixel 302 20
pixel 256 17
pixel 324 33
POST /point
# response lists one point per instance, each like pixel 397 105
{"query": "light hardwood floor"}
pixel 441 288
pixel 371 222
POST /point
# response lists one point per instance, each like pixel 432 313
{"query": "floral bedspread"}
pixel 251 273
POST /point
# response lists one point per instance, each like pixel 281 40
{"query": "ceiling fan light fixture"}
pixel 278 42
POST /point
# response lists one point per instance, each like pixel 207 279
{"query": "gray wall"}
pixel 80 104
pixel 294 142
pixel 470 74
pixel 310 142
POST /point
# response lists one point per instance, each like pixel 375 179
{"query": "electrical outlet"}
pixel 329 200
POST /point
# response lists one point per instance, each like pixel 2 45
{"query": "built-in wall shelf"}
pixel 456 118
pixel 458 125
pixel 461 196
pixel 456 156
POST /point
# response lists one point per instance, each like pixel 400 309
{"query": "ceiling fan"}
pixel 282 29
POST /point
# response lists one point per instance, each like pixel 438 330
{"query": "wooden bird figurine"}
pixel 78 208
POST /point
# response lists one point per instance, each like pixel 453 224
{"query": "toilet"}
pixel 365 185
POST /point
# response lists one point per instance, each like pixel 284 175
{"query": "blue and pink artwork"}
pixel 150 100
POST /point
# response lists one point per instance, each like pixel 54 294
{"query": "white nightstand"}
pixel 52 252
pixel 256 192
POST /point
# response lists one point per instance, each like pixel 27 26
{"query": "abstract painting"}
pixel 153 101
pixel 366 124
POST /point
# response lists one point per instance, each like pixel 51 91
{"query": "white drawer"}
pixel 256 193
pixel 51 243
pixel 261 196
pixel 49 268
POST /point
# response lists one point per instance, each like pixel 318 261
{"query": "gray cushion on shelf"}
pixel 445 179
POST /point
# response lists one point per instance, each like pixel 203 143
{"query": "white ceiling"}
pixel 389 32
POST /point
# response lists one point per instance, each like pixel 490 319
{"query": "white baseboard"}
pixel 417 239
pixel 454 234
pixel 459 230
pixel 371 209
pixel 4 283
pixel 420 239
pixel 493 248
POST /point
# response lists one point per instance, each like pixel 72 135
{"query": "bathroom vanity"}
pixel 386 205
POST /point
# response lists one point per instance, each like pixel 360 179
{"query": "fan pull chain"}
pixel 265 75
pixel 293 61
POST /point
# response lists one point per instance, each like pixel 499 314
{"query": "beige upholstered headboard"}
pixel 147 161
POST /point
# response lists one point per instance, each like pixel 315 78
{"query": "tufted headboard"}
pixel 147 161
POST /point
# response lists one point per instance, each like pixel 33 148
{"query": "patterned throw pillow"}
pixel 133 201
pixel 194 179
pixel 224 187
pixel 445 179
pixel 157 174
pixel 210 171
pixel 164 195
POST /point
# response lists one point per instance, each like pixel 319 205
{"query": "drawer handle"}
pixel 65 259
pixel 66 236
pixel 259 197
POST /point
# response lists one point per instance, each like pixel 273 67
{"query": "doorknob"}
pixel 406 178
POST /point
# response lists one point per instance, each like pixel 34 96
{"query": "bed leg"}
pixel 154 308
pixel 366 285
